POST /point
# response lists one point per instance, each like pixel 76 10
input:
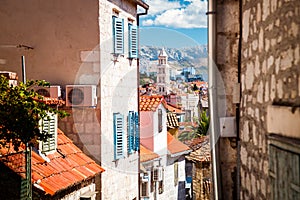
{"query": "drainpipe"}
pixel 238 105
pixel 138 95
pixel 213 109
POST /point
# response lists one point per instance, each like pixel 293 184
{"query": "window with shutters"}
pixel 160 120
pixel 284 168
pixel 118 136
pixel 49 126
pixel 118 35
pixel 133 41
pixel 133 137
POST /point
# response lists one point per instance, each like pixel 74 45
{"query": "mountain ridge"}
pixel 178 58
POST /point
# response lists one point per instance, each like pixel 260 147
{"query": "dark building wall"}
pixel 227 39
pixel 10 183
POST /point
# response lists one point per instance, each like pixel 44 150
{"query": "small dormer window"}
pixel 49 125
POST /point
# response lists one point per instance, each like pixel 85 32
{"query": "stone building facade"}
pixel 227 31
pixel 270 79
pixel 264 162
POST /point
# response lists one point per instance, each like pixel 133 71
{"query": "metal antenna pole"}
pixel 28 195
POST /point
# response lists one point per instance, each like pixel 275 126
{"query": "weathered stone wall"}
pixel 83 128
pixel 227 64
pixel 201 182
pixel 270 75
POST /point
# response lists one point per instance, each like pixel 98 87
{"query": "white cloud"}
pixel 160 6
pixel 191 14
pixel 148 22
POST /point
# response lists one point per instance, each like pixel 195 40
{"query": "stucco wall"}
pixel 147 129
pixel 270 75
pixel 57 30
pixel 160 138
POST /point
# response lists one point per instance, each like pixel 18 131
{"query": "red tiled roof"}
pixel 174 109
pixel 175 146
pixel 68 167
pixel 51 101
pixel 201 149
pixel 151 103
pixel 146 154
pixel 172 121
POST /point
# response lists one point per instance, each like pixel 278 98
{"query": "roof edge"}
pixel 142 4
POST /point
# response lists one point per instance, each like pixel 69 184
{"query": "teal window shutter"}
pixel 137 132
pixel 118 136
pixel 118 35
pixel 133 41
pixel 130 138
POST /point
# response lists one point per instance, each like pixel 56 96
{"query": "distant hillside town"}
pixel 183 86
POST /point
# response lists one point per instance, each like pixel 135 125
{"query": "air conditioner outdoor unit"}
pixel 157 174
pixel 145 178
pixel 81 96
pixel 52 91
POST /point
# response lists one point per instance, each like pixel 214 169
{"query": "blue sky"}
pixel 174 23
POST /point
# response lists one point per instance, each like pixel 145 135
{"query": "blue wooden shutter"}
pixel 133 41
pixel 118 136
pixel 131 127
pixel 137 132
pixel 118 35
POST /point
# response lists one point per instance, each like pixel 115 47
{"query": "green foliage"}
pixel 21 110
pixel 144 77
pixel 201 130
pixel 188 135
pixel 203 124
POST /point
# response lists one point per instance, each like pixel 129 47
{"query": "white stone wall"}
pixel 190 102
pixel 118 86
pixel 91 188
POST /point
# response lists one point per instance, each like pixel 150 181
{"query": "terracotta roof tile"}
pixel 51 101
pixel 172 121
pixel 201 150
pixel 176 147
pixel 67 168
pixel 146 154
pixel 151 103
